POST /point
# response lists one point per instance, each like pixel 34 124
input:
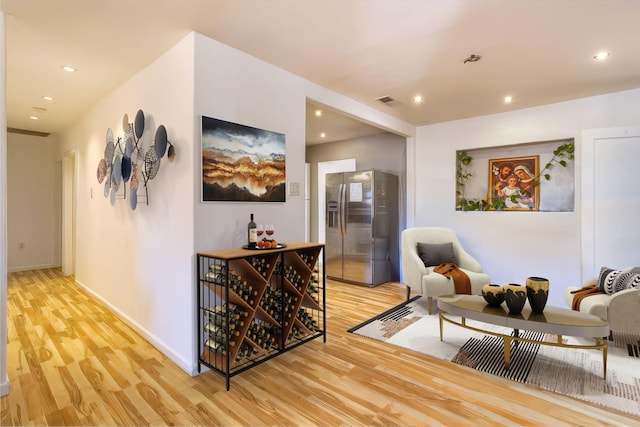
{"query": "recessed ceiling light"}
pixel 322 135
pixel 33 117
pixel 418 99
pixel 318 113
pixel 39 109
pixel 601 56
pixel 508 99
pixel 47 98
pixel 68 68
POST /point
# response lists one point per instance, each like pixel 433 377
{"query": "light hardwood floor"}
pixel 72 362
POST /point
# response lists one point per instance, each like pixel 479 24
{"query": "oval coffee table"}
pixel 554 320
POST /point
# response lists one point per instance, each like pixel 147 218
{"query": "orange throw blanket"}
pixel 461 282
pixel 582 293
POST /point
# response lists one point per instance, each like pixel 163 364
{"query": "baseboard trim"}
pixel 4 387
pixel 189 368
pixel 30 267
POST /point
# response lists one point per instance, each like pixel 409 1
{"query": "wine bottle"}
pixel 216 346
pixel 252 235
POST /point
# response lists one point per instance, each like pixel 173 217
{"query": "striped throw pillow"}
pixel 611 281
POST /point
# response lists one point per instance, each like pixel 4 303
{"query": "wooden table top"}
pixel 234 253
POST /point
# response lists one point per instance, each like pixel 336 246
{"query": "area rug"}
pixel 571 372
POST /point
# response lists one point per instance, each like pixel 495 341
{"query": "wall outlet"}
pixel 21 246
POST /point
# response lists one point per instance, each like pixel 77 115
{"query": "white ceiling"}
pixel 538 51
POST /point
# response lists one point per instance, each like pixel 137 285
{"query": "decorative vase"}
pixel 493 294
pixel 537 293
pixel 515 296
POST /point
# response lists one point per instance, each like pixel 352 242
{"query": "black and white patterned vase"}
pixel 537 293
pixel 515 296
pixel 493 294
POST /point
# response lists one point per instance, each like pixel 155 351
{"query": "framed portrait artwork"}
pixel 241 163
pixel 511 183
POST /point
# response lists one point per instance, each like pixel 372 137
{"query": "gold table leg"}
pixel 507 351
pixel 600 344
pixel 605 348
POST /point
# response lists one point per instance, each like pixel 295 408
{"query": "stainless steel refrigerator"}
pixel 362 227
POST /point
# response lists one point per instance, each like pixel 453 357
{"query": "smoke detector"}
pixel 472 58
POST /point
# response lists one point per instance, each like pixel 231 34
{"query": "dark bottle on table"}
pixel 252 233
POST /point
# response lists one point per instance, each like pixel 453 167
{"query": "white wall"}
pixel 32 203
pixel 141 262
pixel 235 87
pixel 514 245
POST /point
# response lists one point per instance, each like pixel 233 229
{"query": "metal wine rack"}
pixel 256 304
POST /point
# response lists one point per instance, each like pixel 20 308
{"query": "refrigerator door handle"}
pixel 340 208
pixel 342 213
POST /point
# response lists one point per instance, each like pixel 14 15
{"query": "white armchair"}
pixel 417 275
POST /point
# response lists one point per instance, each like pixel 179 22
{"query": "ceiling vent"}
pixel 27 132
pixel 389 101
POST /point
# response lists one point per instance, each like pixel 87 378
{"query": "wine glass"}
pixel 269 230
pixel 259 230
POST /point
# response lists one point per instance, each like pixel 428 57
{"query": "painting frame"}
pixel 241 163
pixel 513 183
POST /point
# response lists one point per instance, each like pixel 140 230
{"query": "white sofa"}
pixel 422 278
pixel 621 309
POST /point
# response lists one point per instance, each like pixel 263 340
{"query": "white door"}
pixel 617 202
pixel 610 199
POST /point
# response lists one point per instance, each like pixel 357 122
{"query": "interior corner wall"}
pixel 140 262
pixel 238 88
pixel 512 246
pixel 32 207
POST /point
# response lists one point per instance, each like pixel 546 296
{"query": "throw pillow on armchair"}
pixel 436 253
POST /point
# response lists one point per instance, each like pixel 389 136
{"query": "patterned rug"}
pixel 572 372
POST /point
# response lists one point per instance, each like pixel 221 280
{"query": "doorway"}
pixel 68 250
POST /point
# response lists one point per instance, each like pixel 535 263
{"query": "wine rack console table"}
pixel 256 304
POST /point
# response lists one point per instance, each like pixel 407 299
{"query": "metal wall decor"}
pixel 126 162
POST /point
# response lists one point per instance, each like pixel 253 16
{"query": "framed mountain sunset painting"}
pixel 242 163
